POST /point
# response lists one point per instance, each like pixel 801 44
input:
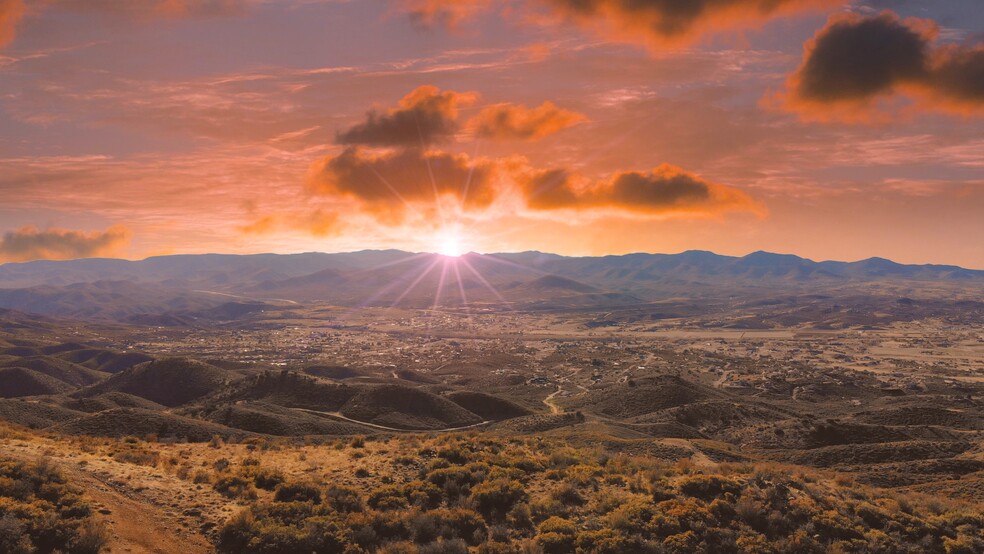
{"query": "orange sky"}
pixel 594 127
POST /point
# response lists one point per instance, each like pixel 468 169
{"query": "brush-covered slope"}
pixel 55 367
pixel 270 419
pixel 487 406
pixel 170 382
pixel 106 361
pixel 20 381
pixel 404 407
pixel 123 422
pixel 35 414
pixel 109 401
pixel 643 396
pixel 287 389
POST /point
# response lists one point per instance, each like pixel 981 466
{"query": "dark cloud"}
pixel 664 190
pixel 675 20
pixel 389 183
pixel 11 12
pixel 424 116
pixel 859 58
pixel 958 77
pixel 30 243
pixel 855 64
pixel 653 22
pixel 509 121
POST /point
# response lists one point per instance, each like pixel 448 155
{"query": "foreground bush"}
pixel 41 512
pixel 479 496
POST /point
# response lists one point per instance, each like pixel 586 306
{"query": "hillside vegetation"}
pixel 41 512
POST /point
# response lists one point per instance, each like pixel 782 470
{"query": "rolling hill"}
pixel 170 382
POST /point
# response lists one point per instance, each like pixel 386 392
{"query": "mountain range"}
pixel 223 287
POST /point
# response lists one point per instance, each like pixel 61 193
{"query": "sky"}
pixel 830 129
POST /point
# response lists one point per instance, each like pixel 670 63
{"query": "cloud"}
pixel 661 22
pixel 664 190
pixel 509 121
pixel 652 22
pixel 861 68
pixel 11 12
pixel 957 75
pixel 157 8
pixel 30 243
pixel 388 184
pixel 424 116
pixel 444 13
pixel 318 223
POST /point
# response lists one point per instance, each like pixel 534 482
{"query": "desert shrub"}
pixel 682 543
pixel 555 543
pixel 498 547
pixel 13 536
pixel 326 535
pixel 455 546
pixel 423 494
pixel 707 487
pixel 633 516
pixel 610 541
pixel 92 537
pixel 557 525
pixel 460 523
pixel 297 491
pixel 41 512
pixel 267 479
pixel 405 547
pixel 234 486
pixel 497 497
pixel 137 456
pixel 388 497
pixel 456 454
pixel 568 494
pixel 520 517
pixel 343 499
pixel 371 529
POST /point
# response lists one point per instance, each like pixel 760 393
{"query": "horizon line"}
pixel 474 253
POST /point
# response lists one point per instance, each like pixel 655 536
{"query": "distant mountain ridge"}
pixel 222 269
pixel 181 289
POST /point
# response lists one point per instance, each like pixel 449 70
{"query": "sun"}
pixel 450 245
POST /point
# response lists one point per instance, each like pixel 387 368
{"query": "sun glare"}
pixel 450 245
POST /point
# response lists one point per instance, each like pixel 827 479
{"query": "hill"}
pixel 123 422
pixel 170 382
pixel 487 406
pixel 639 397
pixel 97 358
pixel 35 414
pixel 406 408
pixel 19 381
pixel 271 419
pixel 54 367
